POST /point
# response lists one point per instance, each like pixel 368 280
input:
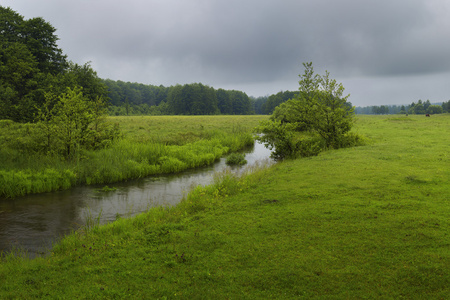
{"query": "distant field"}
pixel 178 129
pixel 371 222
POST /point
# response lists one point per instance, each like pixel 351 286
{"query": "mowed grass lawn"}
pixel 370 222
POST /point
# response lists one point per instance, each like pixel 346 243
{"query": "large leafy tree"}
pixel 10 25
pixel 31 65
pixel 28 52
pixel 19 78
pixel 320 115
pixel 37 35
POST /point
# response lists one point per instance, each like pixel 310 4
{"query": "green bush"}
pixel 309 146
pixel 318 112
pixel 236 159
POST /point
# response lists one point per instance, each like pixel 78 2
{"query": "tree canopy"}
pixel 31 64
pixel 37 35
pixel 318 117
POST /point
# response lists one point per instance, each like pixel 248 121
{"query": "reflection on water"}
pixel 33 222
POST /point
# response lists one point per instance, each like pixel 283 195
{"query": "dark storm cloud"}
pixel 254 45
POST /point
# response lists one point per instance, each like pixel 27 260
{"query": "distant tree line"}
pixel 414 108
pixel 128 98
pixel 276 99
pixel 266 105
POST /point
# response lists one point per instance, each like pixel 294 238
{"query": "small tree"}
pixel 45 123
pixel 319 114
pixel 71 122
pixel 73 116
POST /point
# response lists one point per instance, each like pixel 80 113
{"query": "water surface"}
pixel 34 222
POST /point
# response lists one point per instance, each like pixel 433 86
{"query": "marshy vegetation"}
pixel 148 146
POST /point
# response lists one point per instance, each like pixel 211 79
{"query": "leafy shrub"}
pixel 236 159
pixel 309 146
pixel 318 112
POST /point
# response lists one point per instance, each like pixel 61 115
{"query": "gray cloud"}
pixel 377 47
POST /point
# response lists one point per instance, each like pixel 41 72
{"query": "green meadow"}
pixel 149 146
pixel 370 222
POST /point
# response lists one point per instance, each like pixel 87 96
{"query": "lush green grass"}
pixel 150 145
pixel 176 130
pixel 370 222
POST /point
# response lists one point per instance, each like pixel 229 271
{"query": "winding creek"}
pixel 34 222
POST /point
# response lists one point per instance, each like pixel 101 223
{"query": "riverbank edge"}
pixel 105 167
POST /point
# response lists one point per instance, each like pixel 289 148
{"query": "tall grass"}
pixel 181 143
pixel 22 182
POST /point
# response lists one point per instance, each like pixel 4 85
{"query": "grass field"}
pixel 150 145
pixel 176 130
pixel 370 222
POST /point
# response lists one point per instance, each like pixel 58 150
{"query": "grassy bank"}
pixel 370 222
pixel 150 145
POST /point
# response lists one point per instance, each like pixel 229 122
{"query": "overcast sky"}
pixel 383 51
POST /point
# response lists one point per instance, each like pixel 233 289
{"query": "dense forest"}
pixel 128 98
pixel 190 99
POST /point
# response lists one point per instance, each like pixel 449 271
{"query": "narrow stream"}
pixel 34 222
